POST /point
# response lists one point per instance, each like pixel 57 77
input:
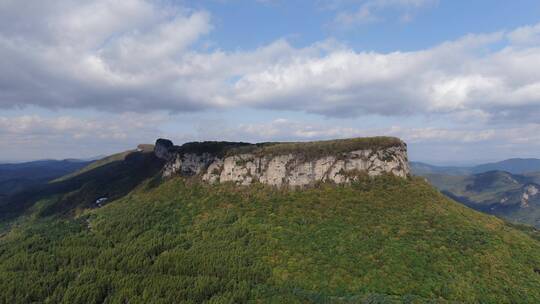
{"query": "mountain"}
pixel 18 176
pixel 381 239
pixel 514 166
pixel 511 196
pixel 285 164
pixel 111 177
pixel 421 169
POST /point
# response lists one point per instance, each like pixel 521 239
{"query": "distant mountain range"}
pixel 509 189
pixel 18 176
pixel 513 165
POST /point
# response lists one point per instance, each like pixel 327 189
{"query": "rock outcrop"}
pixel 529 192
pixel 280 164
pixel 164 149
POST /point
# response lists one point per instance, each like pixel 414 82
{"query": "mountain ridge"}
pixel 511 196
pixel 16 177
pixel 512 165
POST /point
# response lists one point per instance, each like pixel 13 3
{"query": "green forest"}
pixel 379 240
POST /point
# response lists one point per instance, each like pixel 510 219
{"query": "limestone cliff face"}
pixel 529 192
pixel 291 164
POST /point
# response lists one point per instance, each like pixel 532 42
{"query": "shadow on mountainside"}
pixel 63 197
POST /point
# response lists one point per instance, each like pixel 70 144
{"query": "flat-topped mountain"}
pixel 116 231
pixel 293 164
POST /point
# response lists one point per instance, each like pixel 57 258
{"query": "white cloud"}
pixel 453 77
pixel 27 137
pixel 526 35
pixel 140 56
pixel 103 53
pixel 134 55
pixel 35 127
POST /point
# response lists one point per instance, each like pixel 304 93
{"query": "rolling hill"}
pixel 111 177
pixel 421 169
pixel 179 240
pixel 514 166
pixel 511 196
pixel 18 176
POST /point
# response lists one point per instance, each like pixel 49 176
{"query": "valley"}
pixel 512 196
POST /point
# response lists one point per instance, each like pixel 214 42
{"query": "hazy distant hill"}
pixel 18 176
pixel 420 169
pixel 111 177
pixel 514 166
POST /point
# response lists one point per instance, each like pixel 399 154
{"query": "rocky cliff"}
pixel 292 164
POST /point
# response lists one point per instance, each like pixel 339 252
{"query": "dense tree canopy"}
pixel 378 241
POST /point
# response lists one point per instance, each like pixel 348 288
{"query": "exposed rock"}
pixel 187 164
pixel 528 192
pixel 532 190
pixel 162 149
pixel 291 164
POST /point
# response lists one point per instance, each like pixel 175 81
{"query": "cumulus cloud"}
pixel 114 55
pixel 454 77
pixel 138 55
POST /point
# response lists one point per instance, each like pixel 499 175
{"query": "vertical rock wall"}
pixel 294 169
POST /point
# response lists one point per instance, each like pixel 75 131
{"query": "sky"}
pixel 458 80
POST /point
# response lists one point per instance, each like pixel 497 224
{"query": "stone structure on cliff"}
pixel 291 164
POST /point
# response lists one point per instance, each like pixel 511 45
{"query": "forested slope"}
pixel 382 240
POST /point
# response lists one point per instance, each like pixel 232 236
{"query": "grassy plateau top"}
pixel 308 149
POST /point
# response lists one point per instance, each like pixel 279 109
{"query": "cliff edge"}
pixel 294 164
